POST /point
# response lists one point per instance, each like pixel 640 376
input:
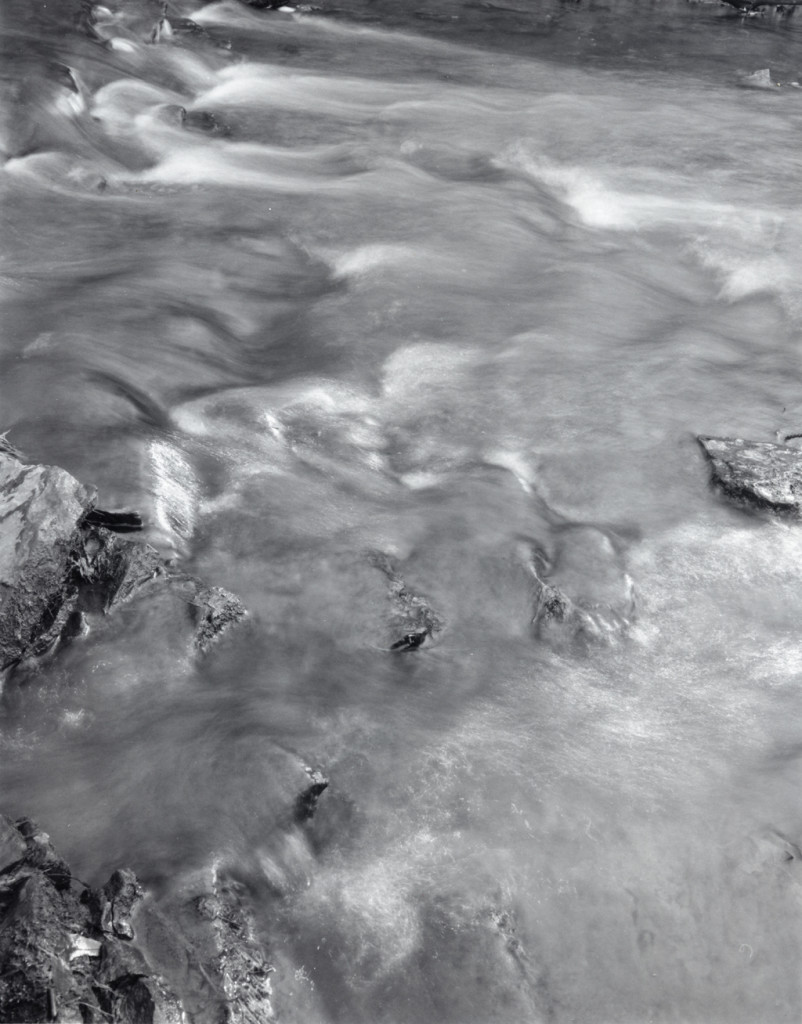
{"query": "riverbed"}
pixel 305 285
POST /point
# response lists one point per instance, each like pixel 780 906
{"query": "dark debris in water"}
pixel 306 803
pixel 117 522
pixel 410 641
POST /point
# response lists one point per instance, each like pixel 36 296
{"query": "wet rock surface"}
pixel 56 960
pixel 40 508
pixel 62 558
pixel 118 953
pixel 412 620
pixel 760 474
pixel 582 587
pixel 72 953
pixel 219 964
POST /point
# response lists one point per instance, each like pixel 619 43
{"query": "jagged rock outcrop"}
pixel 581 586
pixel 116 954
pixel 60 560
pixel 761 474
pixel 57 960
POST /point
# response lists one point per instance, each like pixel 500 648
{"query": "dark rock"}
pixel 410 641
pixel 307 802
pixel 767 849
pixel 35 979
pixel 412 619
pixel 117 955
pixel 119 522
pixel 214 609
pixel 60 557
pixel 120 896
pixel 582 587
pixel 55 961
pixel 12 846
pixel 205 121
pixel 40 855
pixel 762 474
pixel 112 571
pixel 187 25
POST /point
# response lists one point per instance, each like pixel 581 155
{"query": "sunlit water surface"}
pixel 392 281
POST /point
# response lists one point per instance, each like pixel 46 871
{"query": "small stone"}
pixel 122 893
pixel 307 802
pixel 758 80
pixel 39 854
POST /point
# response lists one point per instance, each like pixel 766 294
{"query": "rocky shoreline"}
pixel 70 952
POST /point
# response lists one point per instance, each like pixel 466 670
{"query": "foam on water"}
pixel 264 85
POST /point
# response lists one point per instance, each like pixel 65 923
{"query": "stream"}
pixel 455 283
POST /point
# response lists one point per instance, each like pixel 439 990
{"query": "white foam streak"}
pixel 234 15
pixel 262 85
pixel 118 106
pixel 239 165
pixel 601 204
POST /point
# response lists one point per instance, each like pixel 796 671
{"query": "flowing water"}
pixel 302 286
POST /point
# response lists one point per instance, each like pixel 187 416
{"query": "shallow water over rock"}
pixel 369 311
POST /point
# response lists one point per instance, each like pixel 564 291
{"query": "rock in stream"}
pixel 72 953
pixel 57 960
pixel 760 474
pixel 581 586
pixel 59 562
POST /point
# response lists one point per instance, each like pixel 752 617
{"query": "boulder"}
pixel 760 474
pixel 61 557
pixel 40 509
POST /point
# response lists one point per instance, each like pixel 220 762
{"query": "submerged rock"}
pixel 61 557
pixel 210 914
pixel 581 586
pixel 758 473
pixel 307 801
pixel 412 619
pixel 758 80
